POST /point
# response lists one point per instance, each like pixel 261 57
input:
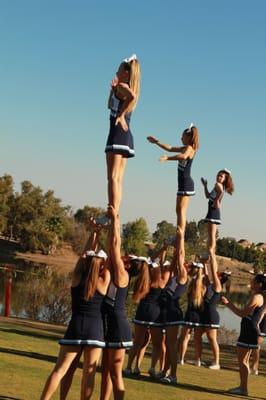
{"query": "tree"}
pixel 134 234
pixel 163 231
pixel 6 199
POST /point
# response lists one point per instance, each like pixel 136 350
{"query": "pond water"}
pixel 41 294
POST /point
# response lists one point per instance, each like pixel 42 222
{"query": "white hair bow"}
pixel 227 171
pixel 92 253
pixel 197 265
pixel 166 263
pixel 148 260
pixel 190 126
pixel 131 58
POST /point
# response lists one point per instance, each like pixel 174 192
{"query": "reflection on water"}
pixel 38 293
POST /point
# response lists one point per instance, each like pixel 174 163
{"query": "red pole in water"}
pixel 8 287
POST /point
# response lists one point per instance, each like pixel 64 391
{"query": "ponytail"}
pixel 142 283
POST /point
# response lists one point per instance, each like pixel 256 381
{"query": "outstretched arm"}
pixel 163 146
pixel 185 153
pixel 252 304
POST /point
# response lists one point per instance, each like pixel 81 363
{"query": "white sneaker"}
pixel 238 390
pixel 254 372
pixel 214 366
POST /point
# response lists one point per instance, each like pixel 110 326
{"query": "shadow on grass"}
pixel 194 388
pixel 30 354
pixel 9 398
pixel 38 335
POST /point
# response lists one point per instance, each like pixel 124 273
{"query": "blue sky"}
pixel 202 61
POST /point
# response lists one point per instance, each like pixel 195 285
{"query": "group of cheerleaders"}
pixel 99 327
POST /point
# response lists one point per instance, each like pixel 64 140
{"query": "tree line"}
pixel 40 222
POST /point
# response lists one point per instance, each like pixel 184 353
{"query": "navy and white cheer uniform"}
pixel 119 141
pixel 192 315
pixel 214 214
pixel 148 310
pixel 117 329
pixel 171 312
pixel 86 324
pixel 185 182
pixel 210 317
pixel 248 337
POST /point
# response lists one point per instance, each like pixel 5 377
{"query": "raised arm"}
pixel 163 146
pixel 179 270
pixel 205 185
pixel 120 273
pixel 216 283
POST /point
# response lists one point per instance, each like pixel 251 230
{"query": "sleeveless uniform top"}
pixel 116 326
pixel 86 324
pixel 210 317
pixel 185 182
pixel 171 312
pixel 214 215
pixel 119 141
pixel 148 310
pixel 248 337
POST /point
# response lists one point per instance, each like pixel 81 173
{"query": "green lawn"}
pixel 28 352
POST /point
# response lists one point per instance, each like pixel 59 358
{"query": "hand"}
pixel 121 120
pixel 204 181
pixel 152 139
pixel 96 227
pixel 224 300
pixel 163 158
pixel 114 82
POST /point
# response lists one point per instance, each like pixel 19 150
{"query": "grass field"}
pixel 28 351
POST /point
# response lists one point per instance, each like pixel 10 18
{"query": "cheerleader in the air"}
pixel 123 99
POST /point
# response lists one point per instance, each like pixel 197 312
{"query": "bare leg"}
pixel 116 359
pixel 181 212
pixel 212 338
pixel 243 357
pixel 139 343
pixel 65 358
pixel 184 339
pixel 157 339
pixel 67 379
pixel 163 354
pixel 171 348
pixel 142 350
pixel 198 344
pixel 212 232
pixel 256 356
pixel 91 357
pixel 106 382
pixel 116 164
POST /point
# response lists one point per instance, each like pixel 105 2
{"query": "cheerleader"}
pixel 224 183
pixel 248 338
pixel 192 320
pixel 190 140
pixel 146 293
pixel 172 317
pixel 123 99
pixel 85 330
pixel 210 319
pixel 260 323
pixel 118 335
